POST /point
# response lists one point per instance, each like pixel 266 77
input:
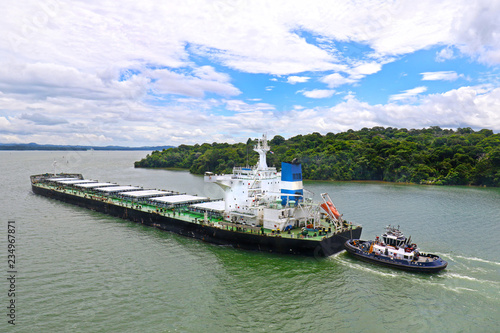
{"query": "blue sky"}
pixel 185 72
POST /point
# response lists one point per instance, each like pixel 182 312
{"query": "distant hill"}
pixel 35 146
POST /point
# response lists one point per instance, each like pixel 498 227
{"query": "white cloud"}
pixel 41 119
pixel 476 30
pixel 240 106
pixel 318 93
pixel 208 73
pixel 110 70
pixel 334 80
pixel 464 107
pixel 297 79
pixel 4 123
pixel 356 72
pixel 408 94
pixel 366 68
pixel 39 80
pixel 94 122
pixel 475 107
pixel 254 37
pixel 445 54
pixel 205 79
pixel 440 75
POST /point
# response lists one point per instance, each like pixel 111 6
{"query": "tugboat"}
pixel 396 251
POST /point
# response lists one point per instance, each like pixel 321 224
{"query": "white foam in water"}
pixel 335 255
pixel 469 278
pixel 365 269
pixel 458 289
pixel 479 259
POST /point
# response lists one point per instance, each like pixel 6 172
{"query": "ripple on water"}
pixel 83 271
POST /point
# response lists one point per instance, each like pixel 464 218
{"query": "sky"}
pixel 151 72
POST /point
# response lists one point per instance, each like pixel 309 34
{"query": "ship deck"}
pixel 183 213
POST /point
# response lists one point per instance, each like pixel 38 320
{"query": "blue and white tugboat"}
pixel 396 251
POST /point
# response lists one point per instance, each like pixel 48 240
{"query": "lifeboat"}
pixel 330 209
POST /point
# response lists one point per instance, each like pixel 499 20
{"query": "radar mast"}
pixel 262 148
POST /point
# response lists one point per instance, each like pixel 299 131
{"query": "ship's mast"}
pixel 262 148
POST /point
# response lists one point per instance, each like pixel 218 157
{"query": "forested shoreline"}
pixel 426 156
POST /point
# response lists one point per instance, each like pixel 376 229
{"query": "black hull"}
pixel 430 267
pixel 247 241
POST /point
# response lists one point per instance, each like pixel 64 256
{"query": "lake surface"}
pixel 82 271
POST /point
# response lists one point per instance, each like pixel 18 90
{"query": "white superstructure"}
pixel 254 196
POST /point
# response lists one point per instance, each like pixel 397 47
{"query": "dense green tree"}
pixel 430 155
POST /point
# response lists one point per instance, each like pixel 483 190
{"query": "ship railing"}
pixel 251 170
pixel 237 213
pixel 246 169
pixel 244 227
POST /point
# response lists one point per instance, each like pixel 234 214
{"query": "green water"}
pixel 82 271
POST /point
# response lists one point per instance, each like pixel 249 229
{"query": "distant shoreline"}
pixel 76 149
pixel 35 146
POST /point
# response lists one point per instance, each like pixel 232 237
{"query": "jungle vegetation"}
pixel 426 156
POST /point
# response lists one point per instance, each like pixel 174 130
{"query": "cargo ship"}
pixel 262 209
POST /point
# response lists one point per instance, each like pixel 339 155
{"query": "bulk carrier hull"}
pixel 327 246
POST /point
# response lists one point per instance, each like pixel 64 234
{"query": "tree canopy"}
pixel 427 156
